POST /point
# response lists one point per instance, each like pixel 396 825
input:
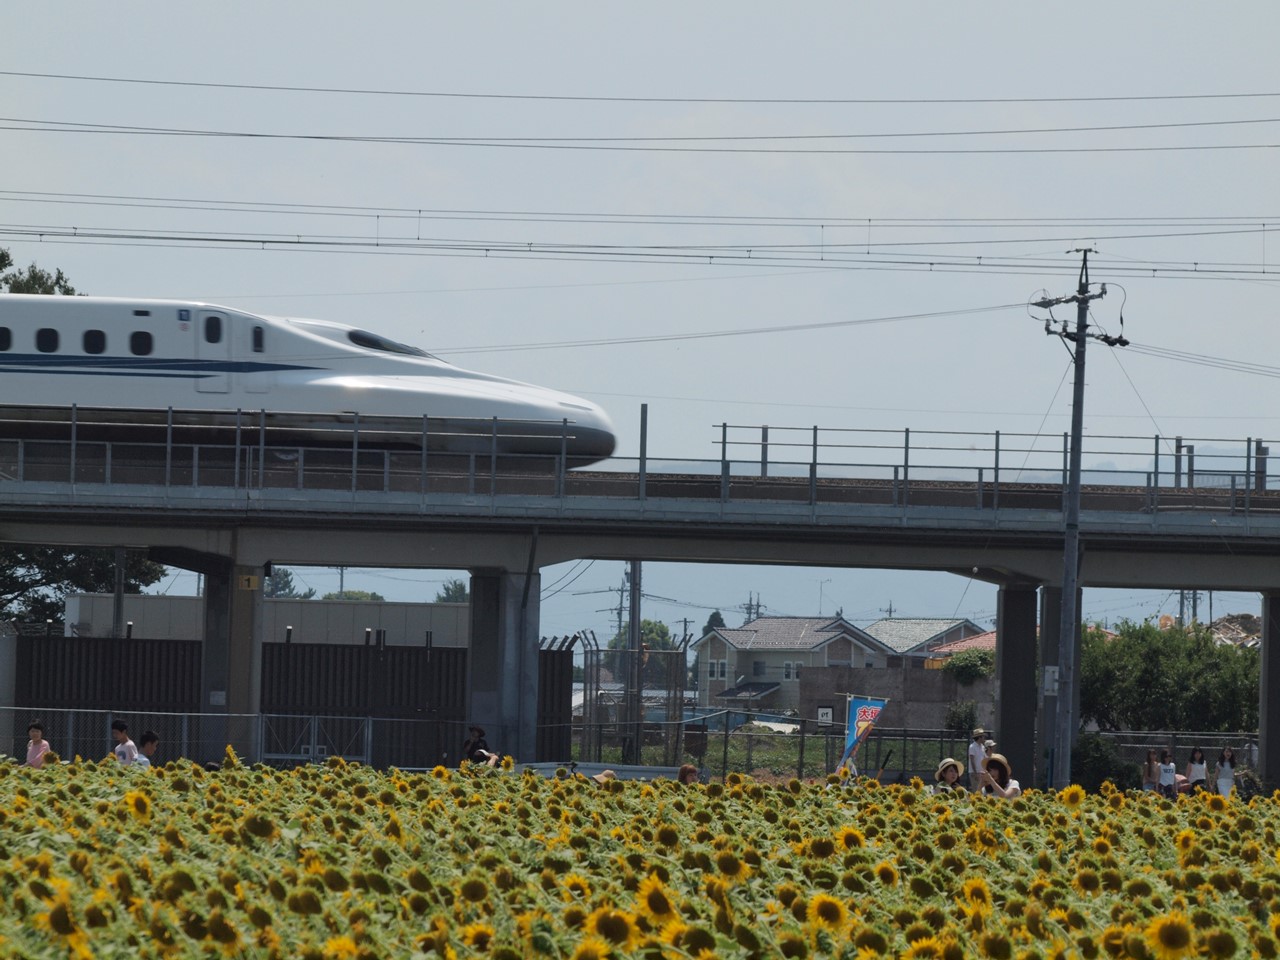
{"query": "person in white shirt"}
pixel 1168 775
pixel 147 744
pixel 1196 769
pixel 997 778
pixel 1226 771
pixel 126 751
pixel 977 754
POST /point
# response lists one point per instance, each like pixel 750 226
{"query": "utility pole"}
pixel 888 610
pixel 635 676
pixel 1064 722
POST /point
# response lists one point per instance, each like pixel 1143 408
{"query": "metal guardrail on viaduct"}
pixel 1208 503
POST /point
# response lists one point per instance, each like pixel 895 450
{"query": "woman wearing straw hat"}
pixel 947 776
pixel 997 778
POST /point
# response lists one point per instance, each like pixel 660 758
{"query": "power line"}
pixel 79 126
pixel 763 257
pixel 388 92
pixel 628 144
pixel 581 216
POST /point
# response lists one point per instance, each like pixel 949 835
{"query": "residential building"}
pixel 758 666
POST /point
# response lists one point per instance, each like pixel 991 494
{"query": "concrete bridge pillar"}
pixel 1269 693
pixel 1016 677
pixel 231 678
pixel 502 667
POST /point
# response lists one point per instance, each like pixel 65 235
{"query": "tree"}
pixel 33 279
pixel 654 636
pixel 714 622
pixel 1145 678
pixel 34 581
pixel 280 586
pixel 453 591
pixel 355 595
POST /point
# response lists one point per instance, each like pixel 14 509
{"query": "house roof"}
pixel 753 690
pixel 788 633
pixel 980 641
pixel 907 634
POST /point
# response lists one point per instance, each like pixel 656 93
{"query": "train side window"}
pixel 95 341
pixel 6 338
pixel 212 329
pixel 140 343
pixel 258 339
pixel 47 340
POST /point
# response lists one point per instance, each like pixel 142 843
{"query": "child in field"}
pixel 37 745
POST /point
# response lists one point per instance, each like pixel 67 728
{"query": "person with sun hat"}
pixel 947 776
pixel 997 778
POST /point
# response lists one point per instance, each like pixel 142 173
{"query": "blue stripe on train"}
pixel 16 362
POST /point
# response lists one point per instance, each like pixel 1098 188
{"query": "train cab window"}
pixel 372 341
pixel 95 341
pixel 140 343
pixel 6 338
pixel 212 329
pixel 259 337
pixel 47 340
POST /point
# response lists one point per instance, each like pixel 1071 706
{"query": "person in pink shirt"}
pixel 37 745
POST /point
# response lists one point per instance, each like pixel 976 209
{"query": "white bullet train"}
pixel 56 351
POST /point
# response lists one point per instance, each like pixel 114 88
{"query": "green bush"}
pixel 970 666
pixel 962 716
pixel 1095 758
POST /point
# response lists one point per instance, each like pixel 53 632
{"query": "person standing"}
pixel 1196 770
pixel 147 744
pixel 37 745
pixel 977 755
pixel 1225 773
pixel 1168 775
pixel 126 751
pixel 1151 772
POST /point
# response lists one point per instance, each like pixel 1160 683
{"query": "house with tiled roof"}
pixel 918 637
pixel 758 666
pixel 979 641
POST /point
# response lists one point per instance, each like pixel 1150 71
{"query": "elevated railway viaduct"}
pixel 230 512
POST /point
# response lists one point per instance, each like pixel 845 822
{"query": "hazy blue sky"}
pixel 634 154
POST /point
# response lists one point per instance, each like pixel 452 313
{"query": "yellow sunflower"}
pixel 976 894
pixel 139 805
pixel 616 926
pixel 849 838
pixel 479 935
pixel 886 873
pixel 826 911
pixel 1170 936
pixel 576 886
pixel 1072 796
pixel 592 948
pixel 654 902
pixel 731 867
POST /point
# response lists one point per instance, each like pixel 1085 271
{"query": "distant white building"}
pixel 308 621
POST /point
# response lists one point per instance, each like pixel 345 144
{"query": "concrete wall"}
pixel 917 698
pixel 313 621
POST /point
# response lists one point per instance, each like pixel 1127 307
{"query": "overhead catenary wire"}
pixel 595 98
pixel 720 256
pixel 632 144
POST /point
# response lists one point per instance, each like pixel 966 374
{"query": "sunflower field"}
pixel 343 861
